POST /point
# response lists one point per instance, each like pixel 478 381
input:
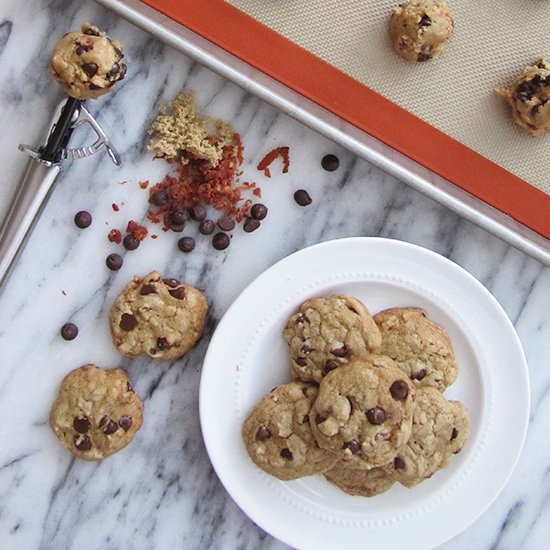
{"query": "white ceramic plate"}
pixel 247 357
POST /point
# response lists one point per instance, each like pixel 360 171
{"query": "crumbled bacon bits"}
pixel 115 236
pixel 137 231
pixel 271 156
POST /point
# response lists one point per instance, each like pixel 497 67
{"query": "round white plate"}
pixel 247 357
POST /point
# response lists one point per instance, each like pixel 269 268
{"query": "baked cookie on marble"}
pixel 365 483
pixel 440 428
pixel 87 64
pixel 96 412
pixel 529 98
pixel 363 412
pixel 278 437
pixel 328 332
pixel 420 347
pixel 419 29
pixel 162 318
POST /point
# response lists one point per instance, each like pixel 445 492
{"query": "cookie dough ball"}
pixel 162 318
pixel 529 98
pixel 87 64
pixel 278 437
pixel 96 412
pixel 419 29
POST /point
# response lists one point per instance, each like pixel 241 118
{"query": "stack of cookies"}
pixel 366 406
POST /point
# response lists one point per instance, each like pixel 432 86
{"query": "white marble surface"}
pixel 161 491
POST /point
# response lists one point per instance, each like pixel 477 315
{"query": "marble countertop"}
pixel 161 491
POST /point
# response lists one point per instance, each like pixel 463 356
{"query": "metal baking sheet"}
pixel 334 127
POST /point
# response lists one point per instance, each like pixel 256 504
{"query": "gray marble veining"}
pixel 161 492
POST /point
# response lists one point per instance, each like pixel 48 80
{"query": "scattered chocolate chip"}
pixel 128 322
pixel 125 422
pixel 330 163
pixel 286 453
pixel 163 344
pixel 186 244
pixel 302 361
pixel 419 375
pixel 82 443
pixel 258 211
pixel 179 217
pixel 399 390
pixel 83 48
pixel 108 425
pixel 83 219
pixel 69 331
pixel 425 21
pixel 176 227
pixel 148 288
pixel 114 262
pixel 398 463
pixel 340 352
pixel 160 197
pixel 250 225
pixel 81 424
pixel 226 223
pixel 130 242
pixel 178 293
pixel 302 197
pixel 376 415
pixel 454 434
pixel 263 433
pixel 90 69
pixel 220 241
pixel 206 227
pixel 354 446
pixel 198 213
pixel 329 365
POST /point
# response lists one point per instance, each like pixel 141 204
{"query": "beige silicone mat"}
pixel 493 41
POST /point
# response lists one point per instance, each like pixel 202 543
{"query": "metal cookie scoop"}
pixel 39 179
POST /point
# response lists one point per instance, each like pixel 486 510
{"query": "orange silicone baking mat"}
pixel 443 113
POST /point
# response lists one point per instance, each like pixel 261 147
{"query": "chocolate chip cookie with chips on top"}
pixel 96 412
pixel 161 318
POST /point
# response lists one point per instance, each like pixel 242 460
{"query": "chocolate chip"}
pixel 198 213
pixel 302 197
pixel 206 227
pixel 163 344
pixel 82 443
pixel 129 387
pixel 83 48
pixel 125 422
pixel 454 434
pixel 226 223
pixel 83 219
pixel 91 32
pixel 69 331
pixel 263 433
pixel 320 419
pixel 220 241
pixel 525 92
pixel 176 227
pixel 81 424
pixel 148 288
pixel 128 322
pixel 425 21
pixel 398 463
pixel 340 352
pixel 114 262
pixel 306 349
pixel 399 390
pixel 130 242
pixel 305 420
pixel 418 375
pixel 186 244
pixel 302 318
pixel 172 283
pixel 109 426
pixel 160 197
pixel 330 365
pixel 258 211
pixel 354 446
pixel 178 293
pixel 115 69
pixel 302 361
pixel 421 57
pixel 352 403
pixel 286 453
pixel 330 163
pixel 90 69
pixel 123 69
pixel 179 217
pixel 376 415
pixel 250 225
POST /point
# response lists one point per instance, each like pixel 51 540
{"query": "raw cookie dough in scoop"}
pixel 529 98
pixel 419 29
pixel 87 64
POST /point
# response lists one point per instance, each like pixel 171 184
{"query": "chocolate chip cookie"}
pixel 440 429
pixel 363 412
pixel 420 347
pixel 96 412
pixel 365 483
pixel 328 332
pixel 278 437
pixel 162 318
